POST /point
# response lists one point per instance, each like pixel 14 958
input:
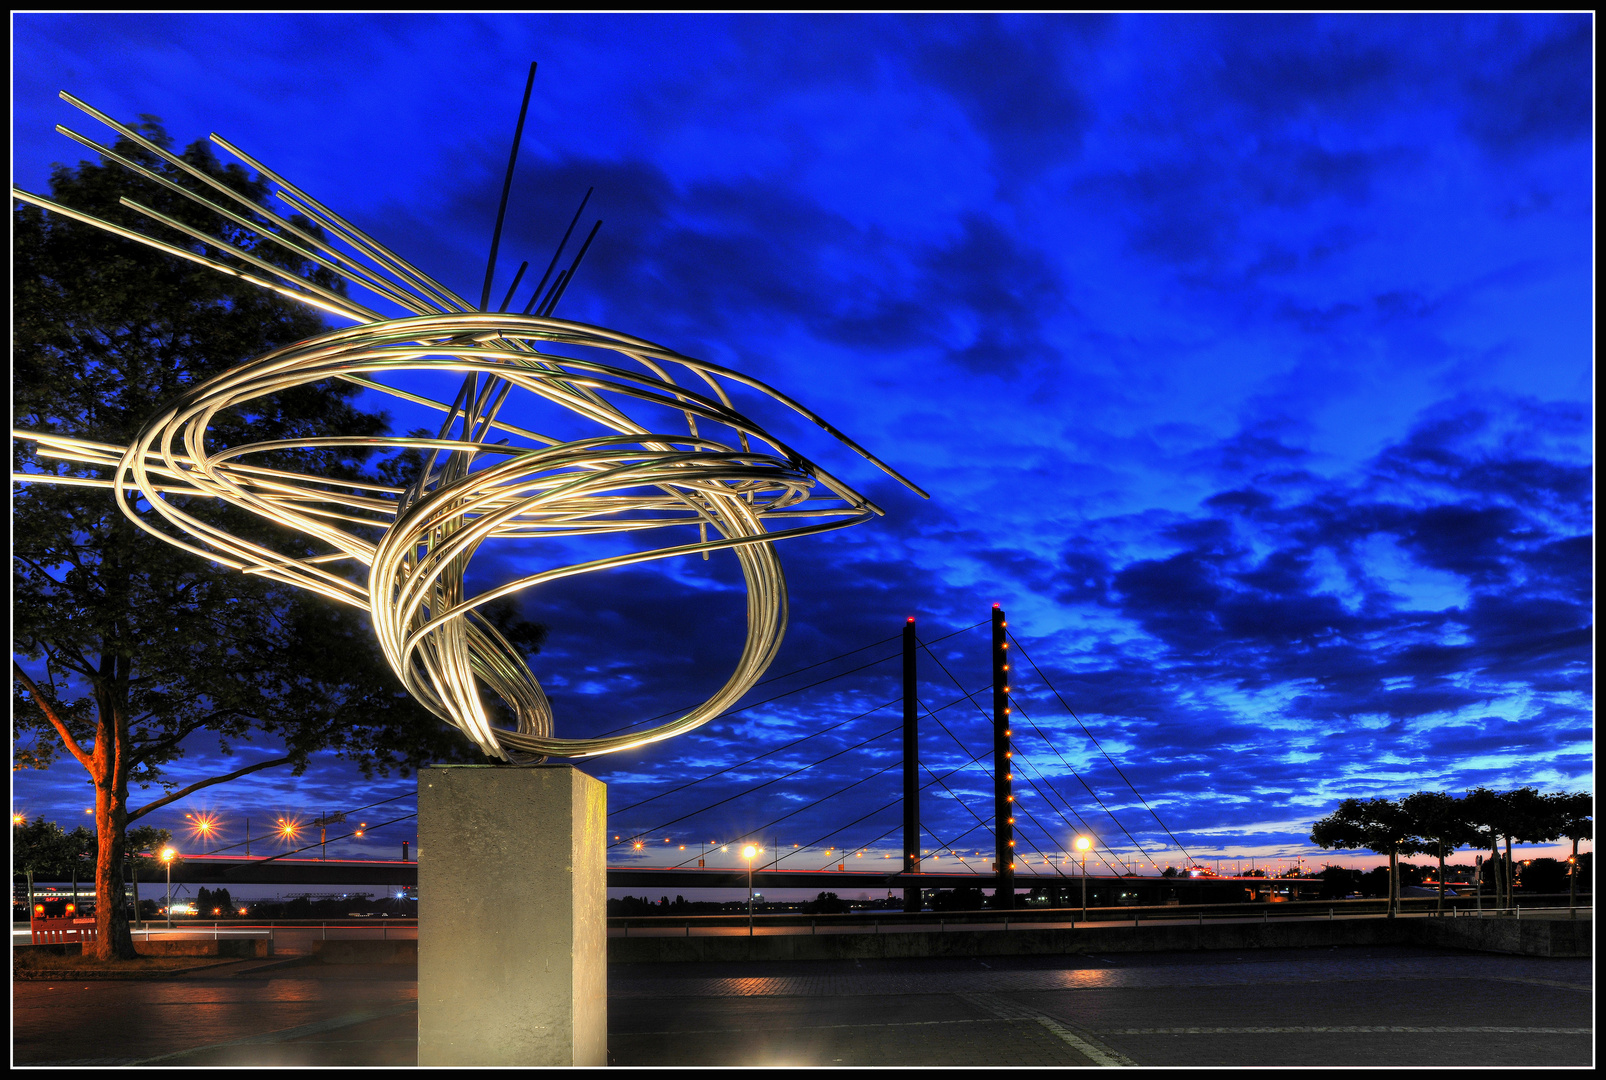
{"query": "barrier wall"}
pixel 1528 937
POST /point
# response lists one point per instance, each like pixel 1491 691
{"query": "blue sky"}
pixel 1247 360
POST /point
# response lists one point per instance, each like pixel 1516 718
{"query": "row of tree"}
pixel 1437 823
pixel 43 849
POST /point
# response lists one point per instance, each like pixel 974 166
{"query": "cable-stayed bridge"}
pixel 966 788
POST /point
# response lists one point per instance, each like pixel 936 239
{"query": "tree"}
pixel 140 846
pixel 1376 825
pixel 964 898
pixel 135 647
pixel 213 902
pixel 1338 882
pixel 1487 813
pixel 38 847
pixel 826 903
pixel 1439 819
pixel 1573 812
pixel 1542 875
pixel 81 844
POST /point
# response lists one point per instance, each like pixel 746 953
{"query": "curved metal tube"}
pixel 406 552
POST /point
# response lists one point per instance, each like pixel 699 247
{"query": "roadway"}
pixel 1349 1007
pixel 295 936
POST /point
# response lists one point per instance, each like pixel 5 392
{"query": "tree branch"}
pixel 236 774
pixel 143 750
pixel 56 722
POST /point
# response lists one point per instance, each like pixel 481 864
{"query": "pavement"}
pixel 1344 1006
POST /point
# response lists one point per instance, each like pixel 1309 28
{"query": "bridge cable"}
pixel 755 787
pixel 796 671
pixel 975 758
pixel 1090 791
pixel 370 806
pixel 332 839
pixel 823 798
pixel 757 757
pixel 760 829
pixel 1095 742
pixel 766 701
pixel 1084 827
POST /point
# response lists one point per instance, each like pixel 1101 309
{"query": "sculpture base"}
pixel 512 916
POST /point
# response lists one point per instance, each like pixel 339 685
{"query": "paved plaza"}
pixel 1345 1006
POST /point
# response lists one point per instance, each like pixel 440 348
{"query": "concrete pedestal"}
pixel 512 916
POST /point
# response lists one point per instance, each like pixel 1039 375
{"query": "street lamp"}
pixel 1082 844
pixel 167 861
pixel 747 853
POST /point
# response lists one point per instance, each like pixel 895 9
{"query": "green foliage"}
pixel 964 898
pixel 1338 882
pixel 1574 814
pixel 133 629
pixel 1438 818
pixel 135 648
pixel 826 903
pixel 1377 825
pixel 1542 876
pixel 40 847
pixel 1437 823
pixel 214 902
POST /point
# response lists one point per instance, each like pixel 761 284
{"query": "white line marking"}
pixel 1098 1053
pixel 1088 1047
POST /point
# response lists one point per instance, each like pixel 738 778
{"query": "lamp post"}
pixel 167 861
pixel 1082 844
pixel 747 853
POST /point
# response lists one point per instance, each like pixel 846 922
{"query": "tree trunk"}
pixel 112 938
pixel 109 770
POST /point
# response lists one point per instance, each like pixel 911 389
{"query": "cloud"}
pixel 1542 96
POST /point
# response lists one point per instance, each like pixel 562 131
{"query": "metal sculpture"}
pixel 485 478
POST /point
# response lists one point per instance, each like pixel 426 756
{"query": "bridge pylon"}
pixel 911 767
pixel 1003 769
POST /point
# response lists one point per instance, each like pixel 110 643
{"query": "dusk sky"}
pixel 1247 360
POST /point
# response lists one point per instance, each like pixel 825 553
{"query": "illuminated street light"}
pixel 19 819
pixel 747 853
pixel 202 826
pixel 1082 845
pixel 167 861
